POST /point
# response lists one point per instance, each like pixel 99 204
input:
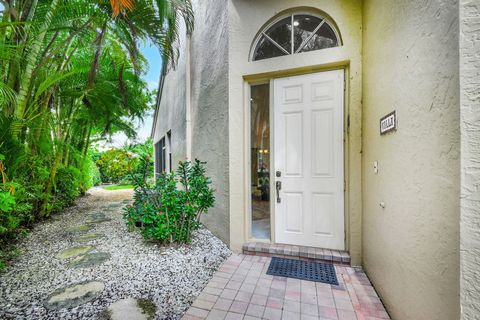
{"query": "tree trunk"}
pixel 98 52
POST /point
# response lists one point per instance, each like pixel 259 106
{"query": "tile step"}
pixel 297 252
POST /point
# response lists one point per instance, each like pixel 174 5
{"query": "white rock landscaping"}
pixel 91 272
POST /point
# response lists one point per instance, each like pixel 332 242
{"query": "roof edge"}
pixel 161 81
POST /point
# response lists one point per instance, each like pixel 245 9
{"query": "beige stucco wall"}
pixel 470 163
pixel 411 247
pixel 194 105
pixel 171 111
pixel 246 18
pixel 209 105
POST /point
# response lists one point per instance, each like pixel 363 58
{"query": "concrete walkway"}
pixel 241 289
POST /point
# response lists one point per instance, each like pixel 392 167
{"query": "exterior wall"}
pixel 209 105
pixel 246 18
pixel 194 104
pixel 171 111
pixel 470 160
pixel 411 247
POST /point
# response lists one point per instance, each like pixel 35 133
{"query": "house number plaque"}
pixel 388 123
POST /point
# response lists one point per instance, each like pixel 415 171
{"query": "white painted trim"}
pixel 247 153
pixel 272 164
pixel 247 161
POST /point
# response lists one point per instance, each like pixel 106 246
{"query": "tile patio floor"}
pixel 241 289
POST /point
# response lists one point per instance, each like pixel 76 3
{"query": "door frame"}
pixel 263 79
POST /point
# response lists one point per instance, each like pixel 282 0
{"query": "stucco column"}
pixel 470 158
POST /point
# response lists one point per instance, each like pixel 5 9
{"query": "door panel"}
pixel 324 213
pixel 293 144
pixel 308 139
pixel 294 212
pixel 322 143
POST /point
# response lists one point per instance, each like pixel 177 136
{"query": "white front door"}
pixel 308 137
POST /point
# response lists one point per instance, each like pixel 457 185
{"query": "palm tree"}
pixel 70 72
pixel 37 38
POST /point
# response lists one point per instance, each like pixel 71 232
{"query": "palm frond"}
pixel 7 95
pixel 121 6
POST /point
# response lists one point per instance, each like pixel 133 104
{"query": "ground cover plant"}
pixel 170 210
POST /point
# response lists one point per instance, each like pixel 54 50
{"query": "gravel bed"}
pixel 169 277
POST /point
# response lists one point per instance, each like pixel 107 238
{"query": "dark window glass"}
pixel 324 38
pixel 304 27
pixel 160 157
pixel 266 49
pixel 169 150
pixel 309 33
pixel 281 33
pixel 260 161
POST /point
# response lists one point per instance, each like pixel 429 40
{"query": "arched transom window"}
pixel 295 33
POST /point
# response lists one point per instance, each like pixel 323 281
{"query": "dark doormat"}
pixel 305 270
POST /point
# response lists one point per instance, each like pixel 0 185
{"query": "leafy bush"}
pixel 170 210
pixel 8 220
pixel 10 217
pixel 95 175
pixel 90 174
pixel 67 185
pixel 115 164
pixel 7 201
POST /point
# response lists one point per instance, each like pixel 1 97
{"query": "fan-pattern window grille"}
pixel 294 34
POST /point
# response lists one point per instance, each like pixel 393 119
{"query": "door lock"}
pixel 278 186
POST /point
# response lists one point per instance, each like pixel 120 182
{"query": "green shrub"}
pixel 7 201
pixel 90 174
pixel 115 164
pixel 95 175
pixel 169 211
pixel 67 185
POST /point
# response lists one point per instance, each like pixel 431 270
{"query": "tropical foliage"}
pixel 118 164
pixel 70 73
pixel 170 211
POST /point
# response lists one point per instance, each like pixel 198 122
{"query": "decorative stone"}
pixel 90 260
pixel 82 228
pixel 74 252
pixel 75 295
pixel 87 237
pixel 97 218
pixel 130 309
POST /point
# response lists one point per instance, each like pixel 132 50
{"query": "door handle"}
pixel 278 186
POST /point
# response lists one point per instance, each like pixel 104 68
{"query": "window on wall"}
pixel 169 151
pixel 260 161
pixel 160 157
pixel 163 154
pixel 294 34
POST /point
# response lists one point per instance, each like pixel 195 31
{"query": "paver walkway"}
pixel 241 289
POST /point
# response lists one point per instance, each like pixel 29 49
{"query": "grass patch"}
pixel 117 187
